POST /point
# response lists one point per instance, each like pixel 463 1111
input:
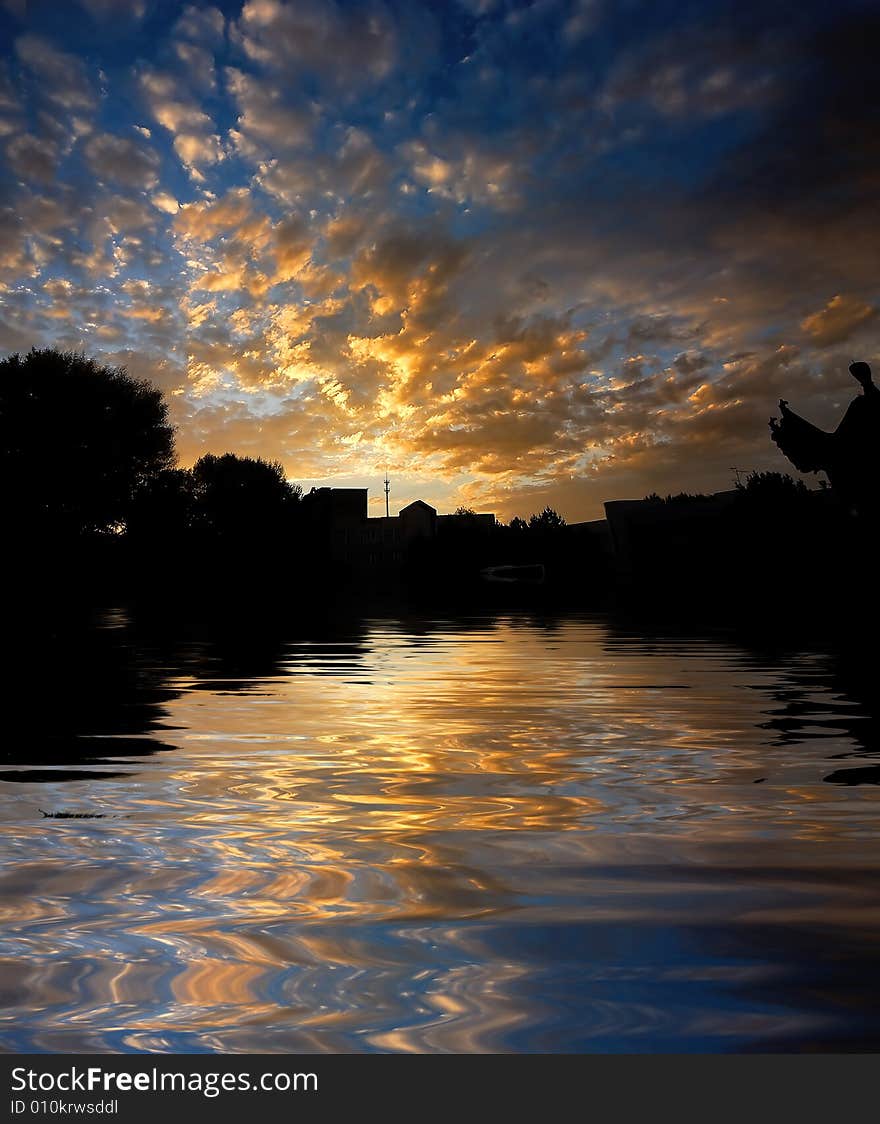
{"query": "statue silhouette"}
pixel 850 455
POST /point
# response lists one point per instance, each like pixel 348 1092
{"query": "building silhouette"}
pixel 340 526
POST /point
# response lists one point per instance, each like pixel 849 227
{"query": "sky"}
pixel 518 254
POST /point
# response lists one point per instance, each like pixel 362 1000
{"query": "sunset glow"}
pixel 518 254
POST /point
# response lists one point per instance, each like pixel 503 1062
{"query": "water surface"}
pixel 483 834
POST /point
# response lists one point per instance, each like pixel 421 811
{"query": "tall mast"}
pixel 387 493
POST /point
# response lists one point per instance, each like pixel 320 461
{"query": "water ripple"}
pixel 490 834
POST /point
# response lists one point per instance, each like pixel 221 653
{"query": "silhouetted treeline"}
pixel 93 498
pixel 224 506
pixel 94 501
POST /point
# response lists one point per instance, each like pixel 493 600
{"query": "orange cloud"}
pixel 841 318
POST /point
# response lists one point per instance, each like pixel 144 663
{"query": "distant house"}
pixel 418 520
pixel 650 536
pixel 339 506
pixel 469 522
pixel 591 540
pixel 337 519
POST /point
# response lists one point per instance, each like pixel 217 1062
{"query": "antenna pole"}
pixel 387 492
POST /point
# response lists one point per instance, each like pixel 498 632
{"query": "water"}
pixel 487 834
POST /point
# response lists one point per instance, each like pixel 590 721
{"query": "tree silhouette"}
pixel 163 511
pixel 78 441
pixel 548 520
pixel 773 486
pixel 242 501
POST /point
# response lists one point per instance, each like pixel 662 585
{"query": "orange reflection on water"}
pixel 493 834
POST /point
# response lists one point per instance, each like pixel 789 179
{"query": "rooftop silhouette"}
pixel 850 455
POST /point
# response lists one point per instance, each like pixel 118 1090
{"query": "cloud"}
pixel 175 109
pixel 123 214
pixel 10 106
pixel 205 220
pixel 16 260
pixel 201 25
pixel 703 70
pixel 344 233
pixel 198 151
pixel 341 45
pixel 468 175
pixel 170 105
pixel 122 160
pixel 584 17
pixel 33 158
pixel 293 246
pixel 198 63
pixel 838 320
pixel 231 246
pixel 546 254
pixel 101 10
pixel 353 166
pixel 164 201
pixel 408 269
pixel 63 77
pixel 267 123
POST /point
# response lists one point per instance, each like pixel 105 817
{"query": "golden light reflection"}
pixel 378 839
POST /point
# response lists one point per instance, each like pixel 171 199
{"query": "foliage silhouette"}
pixel 678 498
pixel 236 497
pixel 773 488
pixel 243 513
pixel 163 511
pixel 78 442
pixel 547 520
